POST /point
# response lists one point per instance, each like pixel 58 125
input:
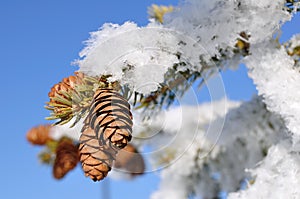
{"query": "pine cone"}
pixel 96 159
pixel 107 129
pixel 64 99
pixel 130 160
pixel 66 85
pixel 39 135
pixel 73 95
pixel 111 118
pixel 66 158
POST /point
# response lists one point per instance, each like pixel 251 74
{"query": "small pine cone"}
pixel 111 118
pixel 64 99
pixel 96 159
pixel 72 81
pixel 39 135
pixel 66 85
pixel 66 158
pixel 130 160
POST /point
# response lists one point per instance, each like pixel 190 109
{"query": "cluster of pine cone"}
pixel 107 129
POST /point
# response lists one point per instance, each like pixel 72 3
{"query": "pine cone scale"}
pixel 85 149
pixel 105 119
pixel 96 160
pixel 107 134
pixel 109 107
pixel 92 143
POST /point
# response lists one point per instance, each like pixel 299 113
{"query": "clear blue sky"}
pixel 38 40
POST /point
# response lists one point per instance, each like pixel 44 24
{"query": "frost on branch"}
pixel 216 24
pixel 199 34
pixel 128 53
pixel 276 79
pixel 196 164
pixel 180 145
pixel 278 175
pixel 248 132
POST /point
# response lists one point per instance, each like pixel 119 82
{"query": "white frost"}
pixel 135 56
pixel 193 34
pixel 278 176
pixel 277 81
pixel 248 131
pixel 217 24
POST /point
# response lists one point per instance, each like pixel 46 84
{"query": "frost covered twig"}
pixel 204 168
pixel 272 70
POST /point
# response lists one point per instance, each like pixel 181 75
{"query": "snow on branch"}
pixel 200 34
pixel 216 24
pixel 248 132
pixel 277 176
pixel 200 161
pixel 276 79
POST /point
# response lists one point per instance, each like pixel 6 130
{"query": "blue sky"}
pixel 39 39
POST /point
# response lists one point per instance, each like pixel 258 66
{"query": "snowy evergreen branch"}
pixel 204 167
pixel 206 149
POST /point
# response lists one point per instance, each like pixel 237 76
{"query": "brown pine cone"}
pixel 96 159
pixel 66 158
pixel 107 129
pixel 72 81
pixel 39 135
pixel 66 85
pixel 111 118
pixel 65 101
pixel 130 160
